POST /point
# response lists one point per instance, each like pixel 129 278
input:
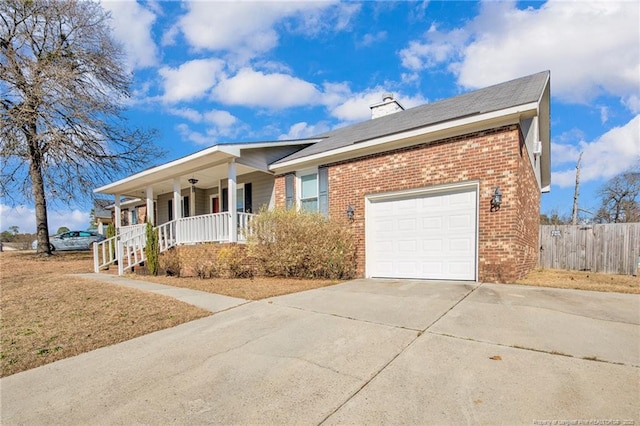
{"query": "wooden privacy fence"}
pixel 612 248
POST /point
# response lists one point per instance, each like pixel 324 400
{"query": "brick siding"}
pixel 507 238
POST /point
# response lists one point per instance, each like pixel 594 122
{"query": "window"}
pixel 240 198
pixel 243 198
pixel 134 216
pixel 309 192
pixel 170 209
pixel 311 189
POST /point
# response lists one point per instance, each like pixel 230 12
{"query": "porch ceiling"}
pixel 208 168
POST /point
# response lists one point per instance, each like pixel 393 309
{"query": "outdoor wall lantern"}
pixel 193 182
pixel 350 213
pixel 496 199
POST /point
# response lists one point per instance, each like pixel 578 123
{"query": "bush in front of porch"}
pixel 208 260
pixel 291 243
pixel 282 243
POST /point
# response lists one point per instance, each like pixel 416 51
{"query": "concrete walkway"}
pixel 363 352
pixel 202 299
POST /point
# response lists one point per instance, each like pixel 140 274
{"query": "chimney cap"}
pixel 387 97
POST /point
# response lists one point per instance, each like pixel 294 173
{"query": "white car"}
pixel 72 240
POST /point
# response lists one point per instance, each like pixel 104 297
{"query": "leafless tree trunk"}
pixel 576 193
pixel 62 87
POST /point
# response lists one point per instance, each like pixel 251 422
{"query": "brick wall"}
pixel 507 238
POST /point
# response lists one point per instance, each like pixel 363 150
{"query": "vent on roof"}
pixel 388 106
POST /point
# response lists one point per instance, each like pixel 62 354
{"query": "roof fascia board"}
pixel 276 143
pixel 149 173
pixel 499 117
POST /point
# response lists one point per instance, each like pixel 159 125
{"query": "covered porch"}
pixel 209 196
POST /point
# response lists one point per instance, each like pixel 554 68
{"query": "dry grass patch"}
pixel 48 315
pixel 245 288
pixel 582 281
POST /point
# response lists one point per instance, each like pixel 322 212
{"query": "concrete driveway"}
pixel 363 352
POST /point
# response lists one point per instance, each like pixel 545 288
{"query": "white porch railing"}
pixel 205 228
pixel 128 247
pixel 129 241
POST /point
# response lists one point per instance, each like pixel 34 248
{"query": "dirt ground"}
pixel 48 315
pixel 582 281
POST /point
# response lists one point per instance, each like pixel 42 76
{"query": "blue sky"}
pixel 215 72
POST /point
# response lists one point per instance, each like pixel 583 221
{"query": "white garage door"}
pixel 429 236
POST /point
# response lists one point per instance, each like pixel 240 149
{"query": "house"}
pixel 449 190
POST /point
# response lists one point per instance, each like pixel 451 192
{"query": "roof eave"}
pixel 512 114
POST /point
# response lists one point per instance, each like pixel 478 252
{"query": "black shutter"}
pixel 170 208
pixel 225 199
pixel 323 191
pixel 288 190
pixel 248 207
pixel 185 208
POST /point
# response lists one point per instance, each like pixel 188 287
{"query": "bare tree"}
pixel 620 198
pixel 576 193
pixel 63 88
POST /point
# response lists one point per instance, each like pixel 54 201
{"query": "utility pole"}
pixel 576 193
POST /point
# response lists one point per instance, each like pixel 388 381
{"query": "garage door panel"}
pixel 430 236
pixel 431 223
pixel 432 246
pixel 464 221
pixel 460 245
pixel 407 224
pixel 407 246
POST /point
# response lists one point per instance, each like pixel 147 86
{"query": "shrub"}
pixel 169 262
pixel 289 243
pixel 232 262
pixel 110 233
pixel 152 250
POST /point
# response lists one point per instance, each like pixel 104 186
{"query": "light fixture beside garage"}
pixel 496 199
pixel 350 213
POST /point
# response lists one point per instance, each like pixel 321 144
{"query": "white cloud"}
pixel 256 89
pixel 607 156
pixel 440 47
pixel 132 25
pixel 304 130
pixel 187 113
pixel 247 28
pixel 193 136
pixel 222 119
pixel 591 48
pixel 25 219
pixel 191 80
pixel 371 38
pixel 221 124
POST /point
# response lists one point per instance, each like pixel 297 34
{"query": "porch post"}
pixel 232 194
pixel 177 210
pixel 117 213
pixel 177 199
pixel 150 217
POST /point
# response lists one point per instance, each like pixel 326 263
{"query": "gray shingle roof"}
pixel 500 96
